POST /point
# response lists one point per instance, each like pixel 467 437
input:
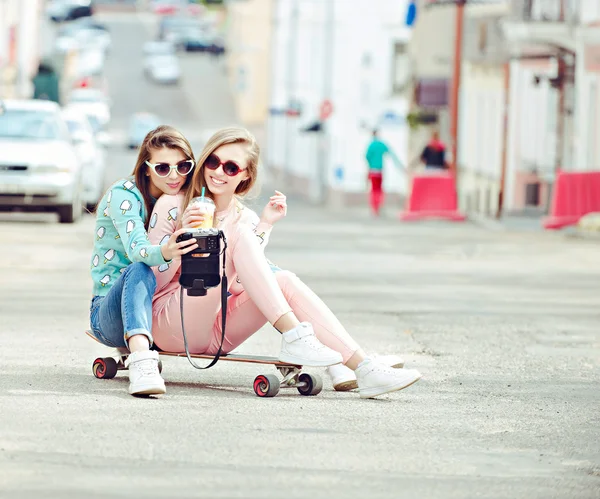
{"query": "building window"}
pixel 432 92
pixel 400 68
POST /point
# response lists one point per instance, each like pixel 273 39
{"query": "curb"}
pixel 486 223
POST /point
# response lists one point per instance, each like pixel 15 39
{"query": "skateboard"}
pixel 265 385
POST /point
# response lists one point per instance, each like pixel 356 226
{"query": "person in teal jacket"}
pixel 375 155
pixel 123 282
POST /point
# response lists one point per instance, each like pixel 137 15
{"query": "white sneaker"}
pixel 375 378
pixel 301 346
pixel 144 377
pixel 344 379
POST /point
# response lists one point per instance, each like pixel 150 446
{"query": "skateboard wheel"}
pixel 266 385
pixel 104 368
pixel 311 384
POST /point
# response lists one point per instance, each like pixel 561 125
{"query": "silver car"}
pixel 92 155
pixel 39 167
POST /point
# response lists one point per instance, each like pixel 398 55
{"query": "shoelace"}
pixel 148 367
pixel 313 342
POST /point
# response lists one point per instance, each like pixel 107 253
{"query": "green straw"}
pixel 202 195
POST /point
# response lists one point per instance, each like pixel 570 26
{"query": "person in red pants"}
pixel 375 152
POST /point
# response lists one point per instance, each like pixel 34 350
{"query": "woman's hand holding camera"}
pixel 172 249
pixel 275 210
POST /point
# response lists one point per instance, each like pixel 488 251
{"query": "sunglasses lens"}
pixel 184 167
pixel 212 162
pixel 231 169
pixel 162 169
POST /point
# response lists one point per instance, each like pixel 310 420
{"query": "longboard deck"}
pixel 232 357
pixel 235 357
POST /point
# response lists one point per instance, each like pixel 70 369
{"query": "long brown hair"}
pixel 229 135
pixel 161 136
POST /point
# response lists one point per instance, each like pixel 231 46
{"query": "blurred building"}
pixel 431 50
pixel 250 28
pixel 339 69
pixel 19 46
pixel 538 62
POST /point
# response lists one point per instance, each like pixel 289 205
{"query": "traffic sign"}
pixel 325 110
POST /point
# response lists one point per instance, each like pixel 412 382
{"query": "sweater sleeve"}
pixel 261 230
pixel 125 211
pixel 163 223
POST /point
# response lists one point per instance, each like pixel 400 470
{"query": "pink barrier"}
pixel 575 194
pixel 433 195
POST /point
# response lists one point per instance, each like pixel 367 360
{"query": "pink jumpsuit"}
pixel 258 295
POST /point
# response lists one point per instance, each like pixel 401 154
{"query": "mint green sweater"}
pixel 120 237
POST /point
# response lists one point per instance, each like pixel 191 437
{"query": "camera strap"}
pixel 223 313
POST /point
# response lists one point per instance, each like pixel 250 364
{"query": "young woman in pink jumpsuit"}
pixel 311 334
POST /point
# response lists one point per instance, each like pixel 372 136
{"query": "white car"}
pixel 164 69
pixel 89 62
pixel 94 103
pixel 154 49
pixel 79 37
pixel 64 10
pixel 39 167
pixel 91 154
pixel 139 125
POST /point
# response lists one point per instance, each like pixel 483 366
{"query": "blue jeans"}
pixel 127 308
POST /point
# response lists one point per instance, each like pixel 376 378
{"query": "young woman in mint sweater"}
pixel 121 308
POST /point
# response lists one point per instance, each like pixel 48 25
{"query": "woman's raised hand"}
pixel 172 249
pixel 275 210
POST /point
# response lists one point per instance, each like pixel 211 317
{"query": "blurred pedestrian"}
pixel 46 84
pixel 375 153
pixel 433 155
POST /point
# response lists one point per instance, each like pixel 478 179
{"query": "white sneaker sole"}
pixel 380 390
pixel 346 386
pixel 291 359
pixel 147 389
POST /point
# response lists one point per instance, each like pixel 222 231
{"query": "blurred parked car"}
pixel 164 69
pixel 155 49
pixel 217 46
pixel 166 7
pixel 174 28
pixel 82 36
pixel 68 10
pixel 171 7
pixel 94 103
pixel 39 167
pixel 194 40
pixel 91 155
pixel 139 126
pixel 89 62
pixel 90 23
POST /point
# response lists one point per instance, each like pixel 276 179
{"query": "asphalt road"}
pixel 503 325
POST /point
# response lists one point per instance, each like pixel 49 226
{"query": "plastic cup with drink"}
pixel 207 206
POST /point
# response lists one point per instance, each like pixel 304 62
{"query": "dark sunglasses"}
pixel 230 168
pixel 164 169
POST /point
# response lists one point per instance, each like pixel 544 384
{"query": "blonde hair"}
pixel 161 136
pixel 229 135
